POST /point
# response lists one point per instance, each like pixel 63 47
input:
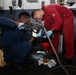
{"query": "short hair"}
pixel 32 14
pixel 24 13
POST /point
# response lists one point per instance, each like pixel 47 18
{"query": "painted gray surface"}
pixel 13 14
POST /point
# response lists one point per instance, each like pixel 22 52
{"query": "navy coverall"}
pixel 15 42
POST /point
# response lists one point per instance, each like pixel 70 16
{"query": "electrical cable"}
pixel 60 67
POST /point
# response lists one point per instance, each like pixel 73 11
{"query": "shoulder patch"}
pixel 53 15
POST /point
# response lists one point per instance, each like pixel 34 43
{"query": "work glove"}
pixel 21 26
pixel 41 32
pixel 49 33
pixel 35 34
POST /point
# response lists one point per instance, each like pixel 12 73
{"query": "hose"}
pixel 54 49
pixel 61 66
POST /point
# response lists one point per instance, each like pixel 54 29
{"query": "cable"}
pixel 60 67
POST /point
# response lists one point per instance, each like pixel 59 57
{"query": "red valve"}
pixel 45 45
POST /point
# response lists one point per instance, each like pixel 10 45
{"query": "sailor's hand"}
pixel 35 34
pixel 49 33
pixel 21 26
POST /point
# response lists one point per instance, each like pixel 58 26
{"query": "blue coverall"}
pixel 15 42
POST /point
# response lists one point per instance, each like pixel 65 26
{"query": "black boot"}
pixel 18 67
